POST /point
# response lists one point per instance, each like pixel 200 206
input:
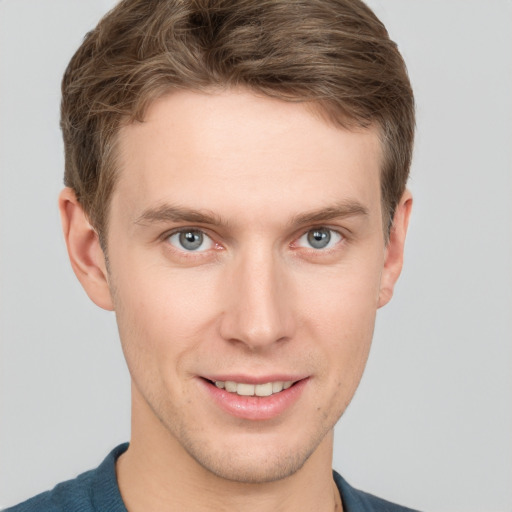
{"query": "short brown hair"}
pixel 334 53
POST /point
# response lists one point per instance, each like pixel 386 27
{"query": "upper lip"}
pixel 254 379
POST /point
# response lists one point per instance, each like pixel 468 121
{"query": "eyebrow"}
pixel 339 211
pixel 169 213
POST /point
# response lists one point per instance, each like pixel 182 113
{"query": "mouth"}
pixel 261 399
pixel 244 389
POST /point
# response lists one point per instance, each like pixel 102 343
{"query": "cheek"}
pixel 161 313
pixel 343 298
pixel 340 310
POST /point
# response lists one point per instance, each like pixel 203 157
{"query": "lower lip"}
pixel 256 408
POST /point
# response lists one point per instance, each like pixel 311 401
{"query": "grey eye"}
pixel 319 238
pixel 191 240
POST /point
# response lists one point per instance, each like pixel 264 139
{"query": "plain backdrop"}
pixel 431 424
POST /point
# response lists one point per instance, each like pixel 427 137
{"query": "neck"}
pixel 157 474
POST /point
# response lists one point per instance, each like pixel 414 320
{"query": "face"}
pixel 246 265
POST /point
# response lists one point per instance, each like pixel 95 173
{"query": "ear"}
pixel 84 250
pixel 394 253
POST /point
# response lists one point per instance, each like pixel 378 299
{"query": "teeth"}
pixel 263 389
pixel 243 389
pixel 277 386
pixel 230 386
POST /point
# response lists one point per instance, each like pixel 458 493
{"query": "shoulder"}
pixel 355 500
pixel 70 495
pixel 91 491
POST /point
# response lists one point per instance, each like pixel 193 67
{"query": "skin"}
pixel 256 299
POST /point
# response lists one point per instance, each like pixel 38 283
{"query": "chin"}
pixel 255 461
pixel 252 470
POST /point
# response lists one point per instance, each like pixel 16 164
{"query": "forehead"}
pixel 234 149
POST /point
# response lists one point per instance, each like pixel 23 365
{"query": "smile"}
pixel 244 389
pixel 255 398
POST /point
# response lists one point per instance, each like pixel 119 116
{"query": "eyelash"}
pixel 184 253
pixel 331 233
pixel 334 237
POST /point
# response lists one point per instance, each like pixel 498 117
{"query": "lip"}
pixel 262 379
pixel 254 408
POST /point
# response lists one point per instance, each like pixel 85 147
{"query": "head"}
pixel 243 164
pixel 336 56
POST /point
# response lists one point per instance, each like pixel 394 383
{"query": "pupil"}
pixel 191 240
pixel 319 238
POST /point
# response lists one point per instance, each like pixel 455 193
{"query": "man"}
pixel 236 176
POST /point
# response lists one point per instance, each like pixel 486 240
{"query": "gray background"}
pixel 431 424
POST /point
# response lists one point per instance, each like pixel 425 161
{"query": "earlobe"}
pixel 84 250
pixel 394 254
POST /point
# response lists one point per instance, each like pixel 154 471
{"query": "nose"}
pixel 258 308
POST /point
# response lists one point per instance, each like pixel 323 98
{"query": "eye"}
pixel 191 240
pixel 319 238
